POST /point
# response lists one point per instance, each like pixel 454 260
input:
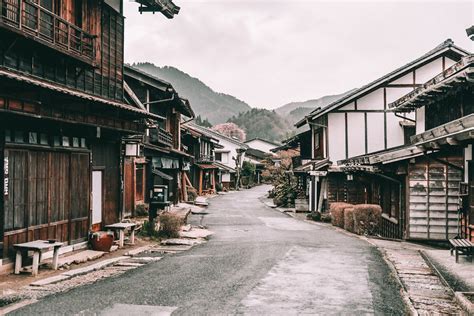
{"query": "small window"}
pixel 75 142
pixel 44 139
pixel 19 137
pixel 32 138
pixel 316 141
pixel 66 141
pixel 218 156
pixel 83 143
pixel 57 141
pixel 8 136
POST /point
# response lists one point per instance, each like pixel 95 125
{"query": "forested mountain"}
pixel 214 106
pixel 264 124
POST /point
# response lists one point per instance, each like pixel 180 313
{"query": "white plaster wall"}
pixel 406 79
pixel 356 134
pixel 231 148
pixel 375 132
pixel 394 94
pixel 350 106
pixel 448 62
pixel 371 101
pixel 261 145
pixel 420 120
pixel 395 135
pixel 428 71
pixel 337 136
pixel 226 177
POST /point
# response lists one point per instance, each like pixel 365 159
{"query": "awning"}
pixel 313 165
pixel 75 93
pixel 207 166
pixel 161 174
pixel 383 157
pixel 224 167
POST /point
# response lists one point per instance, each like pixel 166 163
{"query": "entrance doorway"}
pixel 97 196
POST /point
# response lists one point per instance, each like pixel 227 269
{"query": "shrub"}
pixel 314 216
pixel 325 217
pixel 367 218
pixel 192 194
pixel 349 219
pixel 337 213
pixel 141 210
pixel 149 230
pixel 170 225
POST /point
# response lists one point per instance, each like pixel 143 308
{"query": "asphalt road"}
pixel 258 262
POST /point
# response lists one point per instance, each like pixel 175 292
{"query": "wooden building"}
pixel 420 184
pixel 159 158
pixel 361 124
pixel 62 118
pixel 226 153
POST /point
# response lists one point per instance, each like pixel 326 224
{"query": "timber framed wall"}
pixel 433 197
pixel 48 195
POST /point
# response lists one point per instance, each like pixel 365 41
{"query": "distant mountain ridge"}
pixel 215 106
pixel 219 107
pixel 294 111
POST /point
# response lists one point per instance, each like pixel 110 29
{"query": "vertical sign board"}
pixel 5 176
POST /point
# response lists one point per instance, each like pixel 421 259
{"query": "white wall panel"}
pixel 448 62
pixel 395 135
pixel 337 136
pixel 393 94
pixel 428 71
pixel 375 131
pixel 371 101
pixel 350 106
pixel 356 134
pixel 420 120
pixel 406 79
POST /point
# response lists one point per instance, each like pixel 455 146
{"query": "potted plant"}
pixel 101 241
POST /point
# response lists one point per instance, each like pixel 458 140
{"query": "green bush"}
pixel 149 230
pixel 170 225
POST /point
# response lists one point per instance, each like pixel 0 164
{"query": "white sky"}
pixel 269 53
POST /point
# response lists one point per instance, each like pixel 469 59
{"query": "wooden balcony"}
pixel 29 19
pixel 205 158
pixel 160 136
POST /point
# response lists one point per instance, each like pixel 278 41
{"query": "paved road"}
pixel 259 262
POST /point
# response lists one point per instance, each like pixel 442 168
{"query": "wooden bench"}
pixel 37 246
pixel 462 247
pixel 121 227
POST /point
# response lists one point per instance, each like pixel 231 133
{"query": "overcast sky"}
pixel 269 53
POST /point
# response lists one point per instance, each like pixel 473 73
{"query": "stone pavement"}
pixel 426 291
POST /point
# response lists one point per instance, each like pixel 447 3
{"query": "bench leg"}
pixel 132 237
pixel 18 262
pixel 121 238
pixel 55 258
pixel 36 256
pixel 457 255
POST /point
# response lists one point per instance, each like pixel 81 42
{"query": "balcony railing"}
pixel 159 135
pixel 29 17
pixel 205 158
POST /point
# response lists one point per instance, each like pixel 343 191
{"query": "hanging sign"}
pixel 5 176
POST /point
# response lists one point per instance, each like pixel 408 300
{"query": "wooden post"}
pixel 200 181
pixel 121 238
pixel 214 180
pixel 55 257
pixel 18 261
pixel 185 191
pixel 36 256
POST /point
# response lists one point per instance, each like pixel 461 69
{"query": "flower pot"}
pixel 101 241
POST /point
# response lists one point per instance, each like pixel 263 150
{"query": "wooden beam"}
pixel 200 181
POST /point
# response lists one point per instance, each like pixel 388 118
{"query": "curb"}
pixel 465 304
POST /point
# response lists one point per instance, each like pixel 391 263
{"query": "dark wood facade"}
pixel 62 118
